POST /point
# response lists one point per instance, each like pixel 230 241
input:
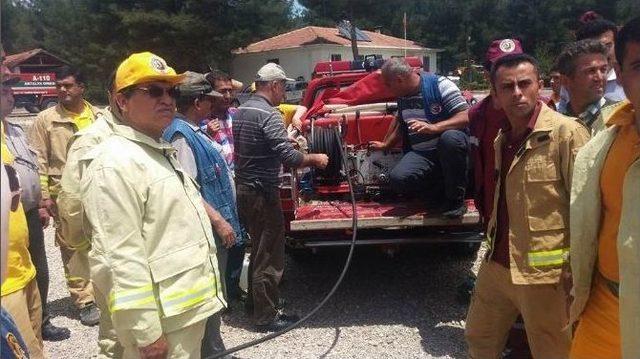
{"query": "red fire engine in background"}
pixel 36 91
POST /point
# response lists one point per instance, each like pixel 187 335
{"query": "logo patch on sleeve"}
pixel 435 108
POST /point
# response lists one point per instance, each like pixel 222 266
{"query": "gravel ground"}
pixel 401 306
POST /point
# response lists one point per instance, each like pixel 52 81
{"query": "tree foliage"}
pixel 464 28
pixel 96 35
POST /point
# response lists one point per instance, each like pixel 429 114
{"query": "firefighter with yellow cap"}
pixel 152 256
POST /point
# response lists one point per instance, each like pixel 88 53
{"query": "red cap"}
pixel 500 48
pixel 589 16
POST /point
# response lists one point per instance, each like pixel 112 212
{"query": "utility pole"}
pixel 469 68
pixel 354 40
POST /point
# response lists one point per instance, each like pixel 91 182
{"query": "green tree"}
pixel 466 28
pixel 96 35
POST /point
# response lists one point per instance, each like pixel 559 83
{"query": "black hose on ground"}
pixel 354 228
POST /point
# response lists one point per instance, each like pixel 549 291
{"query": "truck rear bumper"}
pixel 389 238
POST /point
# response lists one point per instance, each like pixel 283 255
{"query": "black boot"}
pixel 454 209
pixel 52 333
pixel 455 205
pixel 90 315
pixel 281 321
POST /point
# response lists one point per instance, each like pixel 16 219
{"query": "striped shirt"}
pixel 224 136
pixel 413 107
pixel 261 144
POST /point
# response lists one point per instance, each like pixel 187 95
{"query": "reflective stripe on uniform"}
pixel 548 258
pixel 138 298
pixel 44 181
pixel 180 301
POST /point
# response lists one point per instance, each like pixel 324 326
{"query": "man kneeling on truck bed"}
pixel 432 119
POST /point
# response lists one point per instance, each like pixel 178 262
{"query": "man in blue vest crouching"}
pixel 432 122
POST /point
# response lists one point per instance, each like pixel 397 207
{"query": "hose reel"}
pixel 327 141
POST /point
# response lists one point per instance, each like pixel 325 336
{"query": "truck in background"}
pixel 37 68
pixel 36 91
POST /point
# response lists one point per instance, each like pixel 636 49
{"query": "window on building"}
pixel 426 63
pixel 275 61
pixel 336 57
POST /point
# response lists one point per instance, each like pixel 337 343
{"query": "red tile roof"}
pixel 325 35
pixel 16 59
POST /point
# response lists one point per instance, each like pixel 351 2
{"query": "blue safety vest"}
pixel 213 173
pixel 429 108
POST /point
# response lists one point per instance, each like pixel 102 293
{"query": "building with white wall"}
pixel 299 50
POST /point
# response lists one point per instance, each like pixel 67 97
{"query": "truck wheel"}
pixel 32 108
pixel 48 103
pixel 466 250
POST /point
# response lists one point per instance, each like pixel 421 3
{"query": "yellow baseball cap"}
pixel 145 67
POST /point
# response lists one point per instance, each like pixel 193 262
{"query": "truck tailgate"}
pixel 323 215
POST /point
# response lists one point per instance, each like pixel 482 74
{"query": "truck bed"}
pixel 329 215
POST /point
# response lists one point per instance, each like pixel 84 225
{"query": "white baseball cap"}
pixel 272 72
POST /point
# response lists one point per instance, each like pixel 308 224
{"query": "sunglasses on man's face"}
pixel 159 91
pixel 14 187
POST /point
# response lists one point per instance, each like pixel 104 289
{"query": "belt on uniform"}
pixel 614 287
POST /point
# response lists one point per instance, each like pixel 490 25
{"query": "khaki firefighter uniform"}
pixel 74 227
pixel 537 188
pixel 152 253
pixel 586 230
pixel 49 136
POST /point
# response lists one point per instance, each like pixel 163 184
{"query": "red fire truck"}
pixel 316 203
pixel 36 91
